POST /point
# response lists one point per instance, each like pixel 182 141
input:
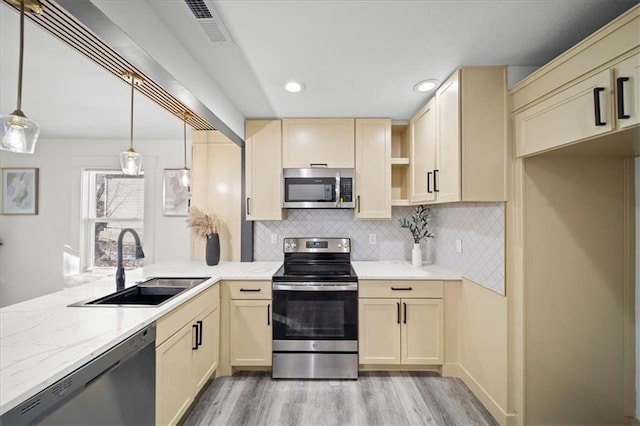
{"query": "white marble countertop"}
pixel 42 340
pixel 401 270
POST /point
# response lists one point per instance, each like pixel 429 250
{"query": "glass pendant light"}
pixel 130 160
pixel 185 173
pixel 20 134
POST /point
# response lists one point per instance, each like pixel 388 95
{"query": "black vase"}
pixel 212 249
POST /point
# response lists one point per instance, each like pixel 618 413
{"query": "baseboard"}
pixel 401 367
pixel 451 370
pixel 494 408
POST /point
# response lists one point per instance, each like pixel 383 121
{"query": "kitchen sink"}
pixel 153 292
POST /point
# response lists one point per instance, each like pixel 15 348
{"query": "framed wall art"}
pixel 175 197
pixel 19 191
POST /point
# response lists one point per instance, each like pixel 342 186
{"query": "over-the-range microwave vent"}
pixel 209 20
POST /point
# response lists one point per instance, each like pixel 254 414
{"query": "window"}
pixel 113 202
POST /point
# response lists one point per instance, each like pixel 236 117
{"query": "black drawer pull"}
pixel 401 288
pixel 596 105
pixel 620 92
pixel 251 289
pixel 199 340
pixel 318 164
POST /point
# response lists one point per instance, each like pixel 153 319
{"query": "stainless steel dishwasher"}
pixel 115 388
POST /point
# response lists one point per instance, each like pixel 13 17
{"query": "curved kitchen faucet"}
pixel 139 255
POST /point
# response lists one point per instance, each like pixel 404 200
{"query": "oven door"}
pixel 308 316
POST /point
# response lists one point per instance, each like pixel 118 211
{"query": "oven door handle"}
pixel 315 287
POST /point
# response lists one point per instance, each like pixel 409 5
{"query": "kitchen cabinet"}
pixel 400 164
pixel 187 348
pixel 600 104
pixel 320 142
pixel 422 130
pixel 458 140
pixel 406 329
pixel 250 323
pixel 373 169
pixel 263 169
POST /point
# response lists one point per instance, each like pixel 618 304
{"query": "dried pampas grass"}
pixel 201 223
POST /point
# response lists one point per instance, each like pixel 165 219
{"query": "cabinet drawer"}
pixel 177 318
pixel 404 289
pixel 250 289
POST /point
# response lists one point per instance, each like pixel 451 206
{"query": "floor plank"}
pixel 376 398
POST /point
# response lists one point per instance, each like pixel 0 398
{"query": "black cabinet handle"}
pixel 194 328
pixel 405 312
pixel 429 182
pixel 200 327
pixel 269 314
pixel 255 290
pixel 248 211
pixel 596 105
pixel 318 164
pixel 435 180
pixel 401 288
pixel 620 94
pixel 398 304
pixel 358 201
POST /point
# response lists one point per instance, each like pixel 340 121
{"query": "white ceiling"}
pixel 357 58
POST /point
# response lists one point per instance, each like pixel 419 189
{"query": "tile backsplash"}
pixel 480 227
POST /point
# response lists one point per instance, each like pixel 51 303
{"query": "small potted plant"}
pixel 419 227
pixel 205 226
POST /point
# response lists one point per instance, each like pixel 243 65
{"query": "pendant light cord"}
pixel 21 55
pixel 133 80
pixel 185 140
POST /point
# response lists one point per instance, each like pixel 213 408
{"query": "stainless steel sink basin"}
pixel 151 293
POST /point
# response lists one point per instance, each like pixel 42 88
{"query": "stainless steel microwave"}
pixel 318 188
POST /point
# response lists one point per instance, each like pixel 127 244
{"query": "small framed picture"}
pixel 175 197
pixel 19 191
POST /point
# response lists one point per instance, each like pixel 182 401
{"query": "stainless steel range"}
pixel 315 311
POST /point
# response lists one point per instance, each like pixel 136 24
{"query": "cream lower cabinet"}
pixel 250 323
pixel 373 169
pixel 401 322
pixel 187 354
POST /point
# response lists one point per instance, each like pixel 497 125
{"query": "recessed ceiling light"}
pixel 426 86
pixel 294 86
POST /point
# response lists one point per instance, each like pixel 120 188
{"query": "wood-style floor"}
pixel 376 398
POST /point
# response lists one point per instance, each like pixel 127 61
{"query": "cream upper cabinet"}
pixel 590 90
pixel 446 176
pixel 422 140
pixel 263 170
pixel 318 143
pixel 373 169
pixel 250 332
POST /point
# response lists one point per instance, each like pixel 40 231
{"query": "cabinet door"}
pixel 447 173
pixel 318 143
pixel 207 355
pixel 250 332
pixel 422 136
pixel 422 331
pixel 379 331
pixel 627 75
pixel 568 116
pixel 174 376
pixel 373 169
pixel 263 170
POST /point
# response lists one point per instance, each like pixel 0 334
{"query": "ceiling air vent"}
pixel 209 20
